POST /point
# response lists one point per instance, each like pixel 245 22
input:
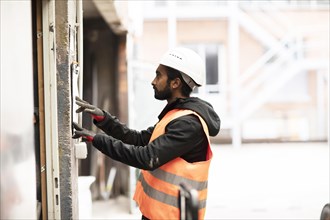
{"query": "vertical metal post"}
pixel 131 116
pixel 234 72
pixel 320 105
pixel 80 44
pixel 171 24
pixel 50 95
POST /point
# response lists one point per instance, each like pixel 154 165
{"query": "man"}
pixel 176 150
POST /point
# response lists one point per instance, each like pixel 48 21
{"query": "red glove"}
pixel 98 117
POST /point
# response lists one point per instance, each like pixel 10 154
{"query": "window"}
pixel 213 61
pixel 212 64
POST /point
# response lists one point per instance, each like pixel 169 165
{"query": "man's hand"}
pixel 84 106
pixel 82 132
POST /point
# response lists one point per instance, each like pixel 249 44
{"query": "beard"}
pixel 164 94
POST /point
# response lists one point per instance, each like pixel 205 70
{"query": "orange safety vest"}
pixel 157 191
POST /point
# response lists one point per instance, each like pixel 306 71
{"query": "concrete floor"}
pixel 257 181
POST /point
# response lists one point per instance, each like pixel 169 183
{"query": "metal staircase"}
pixel 280 63
pixel 285 57
pixel 287 50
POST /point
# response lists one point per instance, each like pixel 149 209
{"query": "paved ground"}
pixel 258 181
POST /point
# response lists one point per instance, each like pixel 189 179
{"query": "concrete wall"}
pixel 66 53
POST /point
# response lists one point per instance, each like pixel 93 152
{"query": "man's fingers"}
pixel 81 109
pixel 77 127
pixel 84 134
pixel 85 105
pixel 75 136
pixel 81 100
pixel 79 133
pixel 80 103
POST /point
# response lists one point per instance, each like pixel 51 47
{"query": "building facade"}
pixel 267 69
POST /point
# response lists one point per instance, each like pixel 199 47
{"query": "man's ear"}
pixel 176 83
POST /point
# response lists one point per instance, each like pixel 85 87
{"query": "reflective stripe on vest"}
pixel 163 197
pixel 157 191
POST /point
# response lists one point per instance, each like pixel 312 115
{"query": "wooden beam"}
pixel 41 111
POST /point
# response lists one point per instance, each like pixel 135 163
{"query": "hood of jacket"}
pixel 203 108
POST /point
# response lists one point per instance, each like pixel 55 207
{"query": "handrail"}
pixel 284 44
pixel 266 57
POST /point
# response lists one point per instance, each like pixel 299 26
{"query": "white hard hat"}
pixel 187 62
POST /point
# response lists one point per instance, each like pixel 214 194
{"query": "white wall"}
pixel 18 180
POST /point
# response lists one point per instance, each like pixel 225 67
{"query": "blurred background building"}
pixel 267 77
pixel 267 64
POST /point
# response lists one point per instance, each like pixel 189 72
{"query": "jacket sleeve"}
pixel 180 138
pixel 112 126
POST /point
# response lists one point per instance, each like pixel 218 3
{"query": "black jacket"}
pixel 184 137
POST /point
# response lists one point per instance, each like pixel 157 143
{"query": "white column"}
pixel 234 72
pixel 51 122
pixel 171 24
pixel 321 126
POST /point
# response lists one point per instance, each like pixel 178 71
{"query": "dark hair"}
pixel 172 74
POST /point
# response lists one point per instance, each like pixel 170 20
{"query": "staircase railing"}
pixel 279 64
